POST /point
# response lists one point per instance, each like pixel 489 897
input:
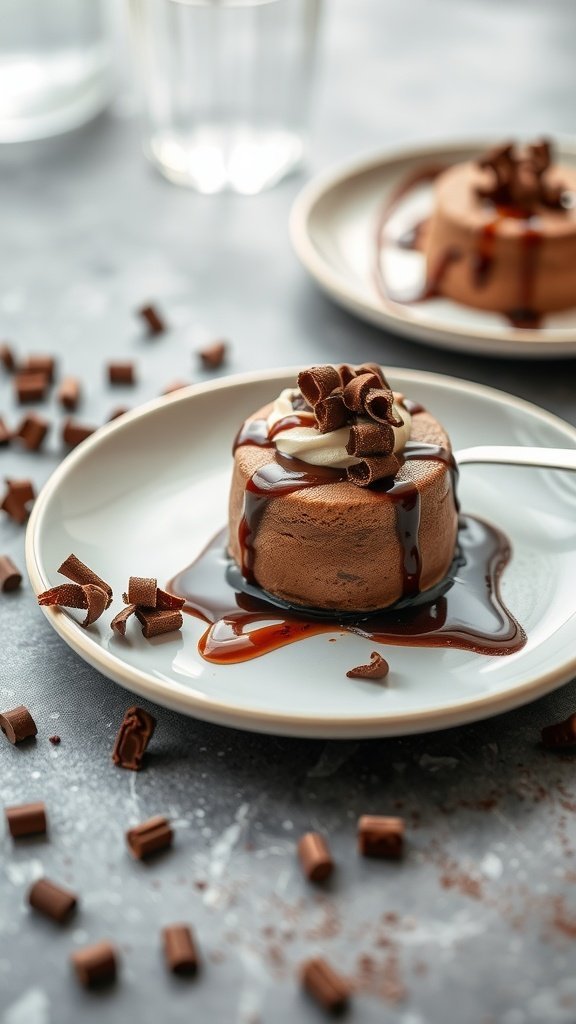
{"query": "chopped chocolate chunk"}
pixel 95 965
pixel 315 857
pixel 133 738
pixel 121 373
pixel 10 575
pixel 55 740
pixel 176 385
pixel 213 355
pixel 51 900
pixel 75 570
pixel 328 988
pixel 377 669
pixel 74 433
pixel 7 357
pixel 77 595
pixel 30 387
pixel 17 500
pixel 561 734
pixel 119 621
pixel 117 413
pixel 142 591
pixel 156 621
pixel 380 837
pixel 26 819
pixel 180 949
pixel 5 434
pixel 370 439
pixel 166 601
pixel 40 364
pixel 153 319
pixel 69 393
pixel 17 724
pixel 32 431
pixel 150 837
pixel 369 470
pixel 318 382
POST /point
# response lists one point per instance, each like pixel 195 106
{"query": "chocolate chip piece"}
pixel 380 836
pixel 76 595
pixel 30 387
pixel 377 669
pixel 315 857
pixel 153 319
pixel 26 819
pixel 156 622
pixel 40 364
pixel 95 965
pixel 17 724
pixel 121 373
pixel 10 576
pixel 69 393
pixel 133 738
pixel 74 433
pixel 7 357
pixel 562 734
pixel 32 431
pixel 142 591
pixel 52 900
pixel 77 571
pixel 5 434
pixel 150 837
pixel 328 988
pixel 17 500
pixel 213 355
pixel 180 949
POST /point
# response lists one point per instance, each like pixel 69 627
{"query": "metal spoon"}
pixel 518 455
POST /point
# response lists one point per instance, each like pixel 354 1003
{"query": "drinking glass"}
pixel 54 66
pixel 225 88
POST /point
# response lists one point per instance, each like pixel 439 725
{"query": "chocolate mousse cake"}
pixel 502 234
pixel 342 495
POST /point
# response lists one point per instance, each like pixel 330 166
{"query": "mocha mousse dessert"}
pixel 501 235
pixel 343 516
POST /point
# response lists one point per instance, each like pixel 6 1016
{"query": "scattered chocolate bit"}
pixel 26 819
pixel 157 621
pixel 213 355
pixel 180 949
pixel 142 591
pixel 69 393
pixel 315 857
pixel 40 364
pixel 17 499
pixel 10 576
pixel 77 595
pixel 176 385
pixel 75 570
pixel 121 373
pixel 150 837
pixel 74 433
pixel 133 738
pixel 55 740
pixel 561 734
pixel 377 669
pixel 119 621
pixel 51 900
pixel 380 837
pixel 328 988
pixel 153 319
pixel 5 435
pixel 95 965
pixel 166 601
pixel 30 387
pixel 7 357
pixel 17 724
pixel 117 413
pixel 32 431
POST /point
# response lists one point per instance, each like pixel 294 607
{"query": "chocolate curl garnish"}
pixel 331 413
pixel 377 669
pixel 119 621
pixel 371 368
pixel 318 382
pixel 370 439
pixel 75 570
pixel 76 595
pixel 356 390
pixel 378 405
pixel 518 176
pixel 347 373
pixel 168 602
pixel 369 471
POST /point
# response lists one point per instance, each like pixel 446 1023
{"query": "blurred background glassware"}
pixel 55 58
pixel 225 88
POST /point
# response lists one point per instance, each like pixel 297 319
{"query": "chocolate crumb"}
pixel 315 857
pixel 121 373
pixel 377 669
pixel 69 393
pixel 55 740
pixel 328 988
pixel 180 949
pixel 213 355
pixel 149 837
pixel 561 734
pixel 26 819
pixel 133 738
pixel 32 431
pixel 10 575
pixel 52 900
pixel 380 836
pixel 154 321
pixel 17 724
pixel 95 965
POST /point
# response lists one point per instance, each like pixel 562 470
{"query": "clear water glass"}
pixel 225 88
pixel 55 58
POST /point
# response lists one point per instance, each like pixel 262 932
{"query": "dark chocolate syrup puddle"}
pixel 524 315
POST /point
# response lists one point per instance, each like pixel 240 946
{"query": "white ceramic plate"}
pixel 333 229
pixel 144 494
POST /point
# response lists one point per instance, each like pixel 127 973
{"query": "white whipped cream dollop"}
pixel 309 445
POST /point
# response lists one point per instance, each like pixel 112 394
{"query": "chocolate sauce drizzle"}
pixel 524 315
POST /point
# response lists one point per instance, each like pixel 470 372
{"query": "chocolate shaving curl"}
pixel 369 471
pixel 378 405
pixel 318 382
pixel 377 669
pixel 355 390
pixel 75 595
pixel 119 621
pixel 518 176
pixel 370 439
pixel 331 413
pixel 75 570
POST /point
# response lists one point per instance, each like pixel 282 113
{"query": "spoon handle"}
pixel 518 455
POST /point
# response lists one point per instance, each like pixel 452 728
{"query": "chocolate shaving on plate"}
pixel 75 570
pixel 156 622
pixel 77 595
pixel 142 591
pixel 168 602
pixel 118 624
pixel 377 669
